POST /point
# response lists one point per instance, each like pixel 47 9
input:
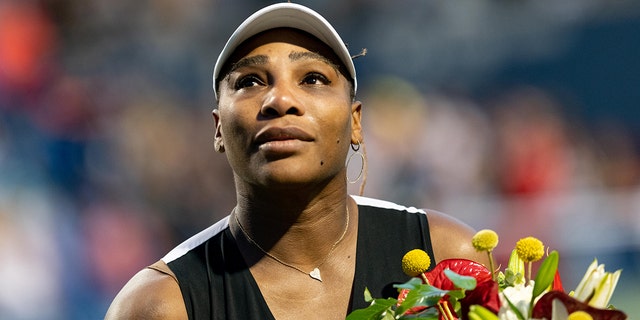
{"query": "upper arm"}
pixel 451 239
pixel 150 294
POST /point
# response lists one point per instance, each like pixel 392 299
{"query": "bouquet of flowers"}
pixel 464 289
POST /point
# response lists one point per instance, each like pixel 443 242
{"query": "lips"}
pixel 282 134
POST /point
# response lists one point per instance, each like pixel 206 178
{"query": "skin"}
pixel 285 120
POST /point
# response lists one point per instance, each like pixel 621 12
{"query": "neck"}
pixel 304 235
pixel 286 197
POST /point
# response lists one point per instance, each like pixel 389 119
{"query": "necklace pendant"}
pixel 315 274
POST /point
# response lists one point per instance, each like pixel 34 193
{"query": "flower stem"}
pixel 444 311
pixel 424 278
pixel 493 272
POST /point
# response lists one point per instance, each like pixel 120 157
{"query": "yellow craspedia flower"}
pixel 415 262
pixel 580 315
pixel 485 240
pixel 529 249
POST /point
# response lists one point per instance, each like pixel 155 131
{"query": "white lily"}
pixel 590 280
pixel 597 286
pixel 520 296
pixel 605 290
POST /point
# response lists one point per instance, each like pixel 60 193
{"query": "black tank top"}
pixel 217 284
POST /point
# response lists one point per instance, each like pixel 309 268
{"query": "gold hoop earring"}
pixel 356 149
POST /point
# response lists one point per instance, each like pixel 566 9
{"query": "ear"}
pixel 218 143
pixel 356 122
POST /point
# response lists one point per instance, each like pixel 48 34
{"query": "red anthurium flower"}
pixel 542 309
pixel 486 291
pixel 464 267
pixel 485 294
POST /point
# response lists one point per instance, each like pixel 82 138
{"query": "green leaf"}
pixel 367 295
pixel 478 312
pixel 412 284
pixel 431 314
pixel 424 295
pixel 460 281
pixel 546 273
pixel 379 309
pixel 388 316
pixel 457 294
pixel 427 314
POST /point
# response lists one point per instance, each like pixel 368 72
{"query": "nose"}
pixel 280 101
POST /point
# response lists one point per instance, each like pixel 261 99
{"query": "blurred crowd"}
pixel 107 160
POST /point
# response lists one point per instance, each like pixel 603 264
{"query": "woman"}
pixel 296 246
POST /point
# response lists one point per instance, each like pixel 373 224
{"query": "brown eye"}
pixel 248 81
pixel 315 78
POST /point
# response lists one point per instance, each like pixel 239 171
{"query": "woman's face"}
pixel 285 115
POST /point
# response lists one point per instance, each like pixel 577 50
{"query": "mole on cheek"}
pixel 321 163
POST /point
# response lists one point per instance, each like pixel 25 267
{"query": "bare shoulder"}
pixel 451 238
pixel 150 294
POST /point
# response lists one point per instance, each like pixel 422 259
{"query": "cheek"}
pixel 337 124
pixel 235 127
pixel 336 128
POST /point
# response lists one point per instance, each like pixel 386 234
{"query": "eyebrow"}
pixel 293 56
pixel 301 55
pixel 249 61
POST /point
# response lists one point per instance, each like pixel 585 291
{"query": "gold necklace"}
pixel 315 273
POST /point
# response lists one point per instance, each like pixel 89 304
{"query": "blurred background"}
pixel 520 116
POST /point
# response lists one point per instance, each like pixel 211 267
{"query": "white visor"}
pixel 288 15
